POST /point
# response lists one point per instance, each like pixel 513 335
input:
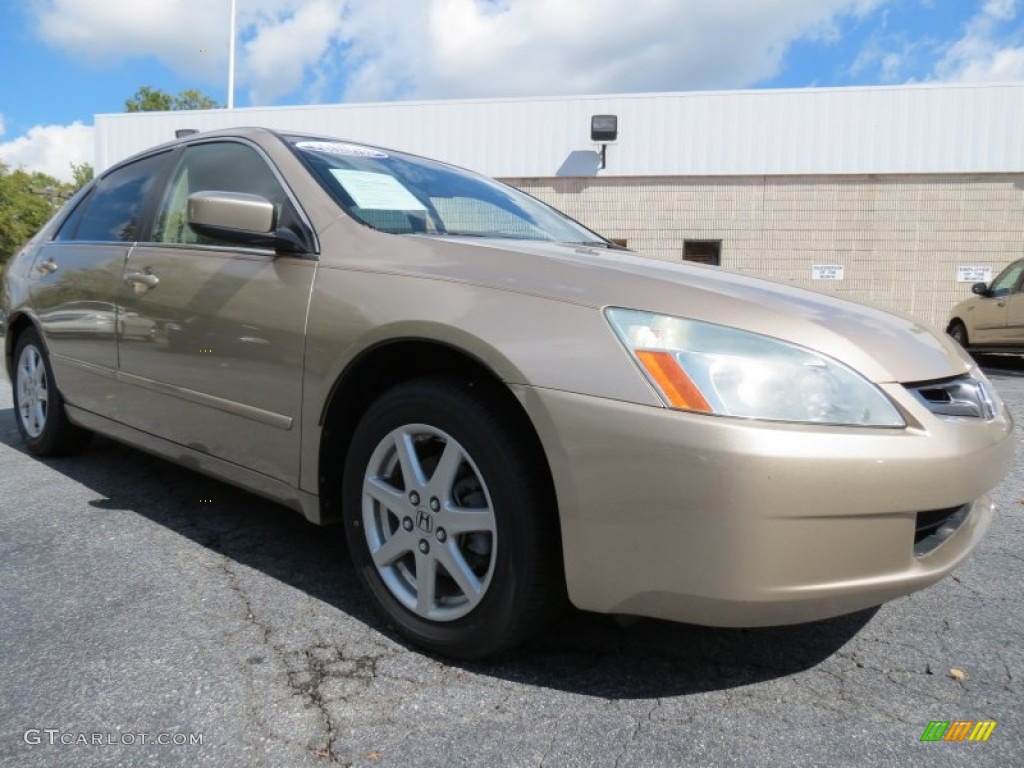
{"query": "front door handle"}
pixel 48 267
pixel 142 281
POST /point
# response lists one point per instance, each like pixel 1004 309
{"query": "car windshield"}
pixel 403 194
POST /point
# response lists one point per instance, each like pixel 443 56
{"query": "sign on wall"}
pixel 827 272
pixel 974 274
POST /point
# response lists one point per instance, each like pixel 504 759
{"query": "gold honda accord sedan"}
pixel 502 408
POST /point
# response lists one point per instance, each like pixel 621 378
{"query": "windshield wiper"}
pixel 498 235
pixel 599 244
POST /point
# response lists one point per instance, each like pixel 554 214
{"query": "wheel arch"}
pixel 957 320
pixel 17 324
pixel 385 365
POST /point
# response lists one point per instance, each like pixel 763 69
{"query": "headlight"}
pixel 713 369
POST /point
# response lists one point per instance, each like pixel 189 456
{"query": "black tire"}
pixel 959 333
pixel 503 469
pixel 46 431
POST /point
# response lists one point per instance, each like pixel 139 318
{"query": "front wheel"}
pixel 959 333
pixel 451 519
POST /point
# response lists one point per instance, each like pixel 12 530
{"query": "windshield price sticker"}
pixel 974 274
pixel 377 191
pixel 828 272
pixel 340 148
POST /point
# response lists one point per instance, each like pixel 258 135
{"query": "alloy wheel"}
pixel 33 391
pixel 429 522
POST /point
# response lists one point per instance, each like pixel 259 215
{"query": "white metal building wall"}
pixel 830 131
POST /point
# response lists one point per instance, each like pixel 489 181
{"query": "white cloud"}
pixel 3 126
pixel 50 149
pixel 1001 9
pixel 447 48
pixel 891 58
pixel 191 36
pixel 1005 64
pixel 279 41
pixel 285 48
pixel 981 55
pixel 453 48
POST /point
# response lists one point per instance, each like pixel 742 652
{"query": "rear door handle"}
pixel 48 267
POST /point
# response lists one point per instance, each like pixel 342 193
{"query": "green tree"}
pixel 27 201
pixel 148 99
pixel 82 174
pixel 193 99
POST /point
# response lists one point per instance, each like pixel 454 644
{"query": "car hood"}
pixel 880 345
pixel 964 306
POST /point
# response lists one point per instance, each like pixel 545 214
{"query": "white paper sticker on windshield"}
pixel 340 148
pixel 377 191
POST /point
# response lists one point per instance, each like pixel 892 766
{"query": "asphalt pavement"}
pixel 142 603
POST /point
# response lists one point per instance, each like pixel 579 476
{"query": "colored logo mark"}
pixel 958 730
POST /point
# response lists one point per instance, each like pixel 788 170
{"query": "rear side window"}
pixel 113 212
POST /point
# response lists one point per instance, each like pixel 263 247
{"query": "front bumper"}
pixel 727 522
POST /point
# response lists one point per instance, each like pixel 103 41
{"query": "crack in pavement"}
pixel 636 731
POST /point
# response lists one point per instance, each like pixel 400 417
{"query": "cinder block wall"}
pixel 900 238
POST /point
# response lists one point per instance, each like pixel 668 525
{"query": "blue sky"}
pixel 76 58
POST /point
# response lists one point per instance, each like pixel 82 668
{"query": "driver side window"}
pixel 214 167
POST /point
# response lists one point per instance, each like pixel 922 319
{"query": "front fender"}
pixel 352 311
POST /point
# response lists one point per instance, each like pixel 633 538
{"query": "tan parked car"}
pixel 994 316
pixel 501 407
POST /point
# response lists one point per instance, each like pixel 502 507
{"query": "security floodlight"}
pixel 604 129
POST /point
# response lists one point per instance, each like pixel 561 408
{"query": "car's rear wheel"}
pixel 959 333
pixel 450 518
pixel 38 405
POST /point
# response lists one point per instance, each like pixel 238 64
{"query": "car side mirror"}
pixel 981 289
pixel 240 218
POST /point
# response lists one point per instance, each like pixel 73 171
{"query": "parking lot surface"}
pixel 142 603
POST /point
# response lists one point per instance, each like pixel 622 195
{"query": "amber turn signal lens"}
pixel 672 381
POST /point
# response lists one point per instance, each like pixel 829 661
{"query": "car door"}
pixel 988 314
pixel 1014 333
pixel 76 278
pixel 215 359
